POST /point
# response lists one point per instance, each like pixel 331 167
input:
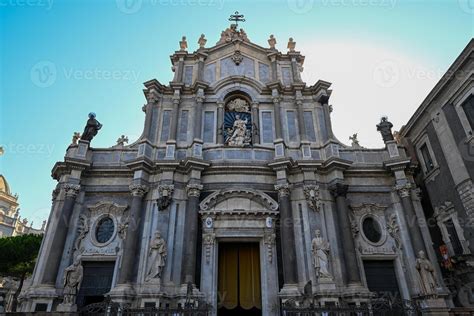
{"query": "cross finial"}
pixel 236 17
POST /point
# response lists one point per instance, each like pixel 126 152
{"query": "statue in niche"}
pixel 72 281
pixel 92 127
pixel 238 123
pixel 425 269
pixel 157 254
pixel 320 250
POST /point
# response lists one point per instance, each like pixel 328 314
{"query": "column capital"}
pixel 403 189
pixel 194 189
pixel 138 189
pixel 339 189
pixel 276 99
pixel 71 190
pixel 283 189
pixel 254 105
pixel 220 104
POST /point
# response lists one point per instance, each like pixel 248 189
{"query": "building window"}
pixel 105 230
pixel 453 237
pixel 428 161
pixel 292 132
pixel 165 125
pixel 208 129
pixel 372 229
pixel 468 107
pixel 267 127
pixel 309 125
pixel 183 126
pixel 188 75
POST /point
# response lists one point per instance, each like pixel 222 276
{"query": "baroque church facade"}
pixel 237 195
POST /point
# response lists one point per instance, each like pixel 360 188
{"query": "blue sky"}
pixel 62 59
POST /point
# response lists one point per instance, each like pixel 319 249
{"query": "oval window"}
pixel 105 230
pixel 372 230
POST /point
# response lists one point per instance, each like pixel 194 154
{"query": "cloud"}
pixel 369 81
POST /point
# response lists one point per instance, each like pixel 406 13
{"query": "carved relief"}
pixel 83 230
pixel 166 193
pixel 208 240
pixel 237 57
pixel 217 197
pixel 269 241
pixel 312 194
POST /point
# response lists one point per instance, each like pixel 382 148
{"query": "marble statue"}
pixel 425 269
pixel 157 254
pixel 92 127
pixel 238 133
pixel 202 41
pixel 320 250
pixel 238 105
pixel 75 137
pixel 272 42
pixel 385 128
pixel 183 44
pixel 231 33
pixel 72 281
pixel 355 141
pixel 291 44
pixel 122 140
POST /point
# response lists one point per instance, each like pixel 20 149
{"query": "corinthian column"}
pixel 287 235
pixel 131 243
pixel 348 254
pixel 191 235
pixel 413 226
pixel 60 233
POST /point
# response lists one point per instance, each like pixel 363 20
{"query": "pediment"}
pixel 240 201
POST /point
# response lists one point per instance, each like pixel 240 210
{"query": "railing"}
pixel 114 309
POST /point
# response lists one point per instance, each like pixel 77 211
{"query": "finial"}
pixel 236 17
pixel 291 44
pixel 272 42
pixel 355 141
pixel 183 44
pixel 122 140
pixel 202 41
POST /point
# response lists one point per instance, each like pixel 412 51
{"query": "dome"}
pixel 4 185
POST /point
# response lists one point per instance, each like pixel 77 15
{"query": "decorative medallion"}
pixel 237 57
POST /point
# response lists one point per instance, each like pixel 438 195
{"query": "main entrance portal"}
pixel 239 287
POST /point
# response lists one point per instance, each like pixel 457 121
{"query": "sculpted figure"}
pixel 92 127
pixel 237 137
pixel 385 128
pixel 320 250
pixel 426 271
pixel 157 255
pixel 72 281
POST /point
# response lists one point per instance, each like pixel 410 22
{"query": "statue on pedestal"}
pixel 238 133
pixel 425 269
pixel 320 250
pixel 72 281
pixel 157 254
pixel 92 127
pixel 385 128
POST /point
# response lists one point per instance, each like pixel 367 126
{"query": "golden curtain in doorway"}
pixel 239 276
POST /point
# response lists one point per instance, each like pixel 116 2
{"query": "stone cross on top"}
pixel 236 17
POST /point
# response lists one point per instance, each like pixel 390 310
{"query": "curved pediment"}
pixel 239 200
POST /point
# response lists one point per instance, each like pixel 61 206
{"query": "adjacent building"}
pixel 440 139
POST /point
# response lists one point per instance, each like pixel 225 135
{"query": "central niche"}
pixel 237 127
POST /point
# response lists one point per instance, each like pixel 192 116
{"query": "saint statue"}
pixel 425 269
pixel 320 250
pixel 238 132
pixel 157 255
pixel 72 281
pixel 385 128
pixel 92 127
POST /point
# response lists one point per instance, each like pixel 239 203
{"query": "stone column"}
pixel 198 117
pixel 220 122
pixel 132 242
pixel 191 234
pixel 256 123
pixel 412 220
pixel 60 233
pixel 287 235
pixel 278 120
pixel 352 275
pixel 301 126
pixel 174 118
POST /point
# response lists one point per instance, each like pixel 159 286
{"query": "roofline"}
pixel 447 77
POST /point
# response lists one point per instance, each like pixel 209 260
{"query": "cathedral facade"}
pixel 237 196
